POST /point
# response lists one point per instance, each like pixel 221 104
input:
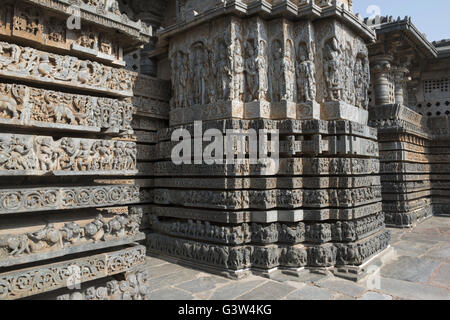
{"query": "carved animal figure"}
pixel 15 245
pixel 44 68
pixel 8 105
pixel 94 230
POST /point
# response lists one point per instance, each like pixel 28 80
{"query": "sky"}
pixel 429 16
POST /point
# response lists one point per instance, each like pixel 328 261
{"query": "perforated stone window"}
pixel 441 85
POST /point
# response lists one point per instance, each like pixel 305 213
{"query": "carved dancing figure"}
pixel 239 70
pixel 251 72
pixel 83 157
pixel 277 71
pixel 45 153
pixel 261 63
pixel 306 70
pixel 332 70
pixel 223 72
pixel 18 156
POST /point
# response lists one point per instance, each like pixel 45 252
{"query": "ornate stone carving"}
pixel 29 106
pixel 70 235
pixel 32 65
pixel 135 286
pixel 40 155
pixel 35 280
pixel 43 199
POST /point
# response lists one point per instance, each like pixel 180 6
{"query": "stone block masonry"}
pixel 306 80
pixel 68 154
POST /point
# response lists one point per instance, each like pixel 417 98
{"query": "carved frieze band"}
pixel 267 216
pixel 28 106
pixel 149 87
pixel 104 12
pixel 285 127
pixel 28 64
pixel 288 166
pixel 268 199
pixel 39 155
pixel 33 23
pixel 44 199
pixel 135 286
pixel 40 279
pixel 72 237
pixel 271 256
pixel 288 233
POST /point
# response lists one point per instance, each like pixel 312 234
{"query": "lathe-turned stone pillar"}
pixel 381 68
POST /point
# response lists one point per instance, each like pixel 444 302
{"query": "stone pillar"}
pixel 400 80
pixel 381 67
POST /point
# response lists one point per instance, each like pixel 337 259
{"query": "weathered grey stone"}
pixel 268 291
pixel 410 269
pixel 312 293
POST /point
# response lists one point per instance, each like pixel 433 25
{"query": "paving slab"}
pixel 153 262
pixel 441 251
pixel 170 294
pixel 172 279
pixel 413 248
pixel 270 290
pixel 410 269
pixel 202 284
pixel 236 289
pixel 441 277
pixel 158 271
pixel 342 286
pixel 411 290
pixel 372 295
pixel 312 293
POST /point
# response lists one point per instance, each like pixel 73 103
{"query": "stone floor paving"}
pixel 420 269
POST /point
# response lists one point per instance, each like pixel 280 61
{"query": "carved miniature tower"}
pixel 298 68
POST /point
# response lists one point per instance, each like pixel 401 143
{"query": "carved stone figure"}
pixel 332 67
pixel 306 73
pixel 223 71
pixel 278 82
pixel 251 71
pixel 238 71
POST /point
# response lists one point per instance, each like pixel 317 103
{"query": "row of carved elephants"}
pixel 42 154
pixel 247 65
pixel 279 232
pixel 69 235
pixel 271 256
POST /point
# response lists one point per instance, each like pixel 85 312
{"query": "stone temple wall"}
pixel 308 80
pixel 409 102
pixel 350 119
pixel 71 144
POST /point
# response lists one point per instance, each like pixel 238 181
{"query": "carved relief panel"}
pixel 6 14
pixel 27 22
